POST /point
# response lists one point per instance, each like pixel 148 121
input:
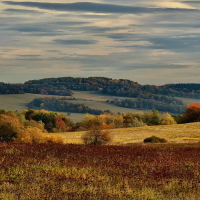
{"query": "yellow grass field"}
pixel 180 133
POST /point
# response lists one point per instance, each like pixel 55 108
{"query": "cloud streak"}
pixel 74 42
pixel 22 11
pixel 98 7
pixel 146 41
pixel 196 2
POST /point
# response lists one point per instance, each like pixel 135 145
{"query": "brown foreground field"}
pixel 67 171
pixel 184 133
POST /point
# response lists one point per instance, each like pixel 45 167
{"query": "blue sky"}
pixel 151 42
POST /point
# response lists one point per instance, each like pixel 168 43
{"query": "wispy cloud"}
pixel 146 41
pixel 97 7
pixel 196 2
pixel 74 42
pixel 21 11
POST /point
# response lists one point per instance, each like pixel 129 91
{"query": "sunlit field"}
pixel 59 172
pixel 184 133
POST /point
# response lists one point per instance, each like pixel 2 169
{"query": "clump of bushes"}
pixel 13 129
pixel 8 132
pixel 155 139
pixel 35 135
pixel 9 127
pixel 96 136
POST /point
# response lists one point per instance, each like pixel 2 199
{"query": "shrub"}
pixel 36 124
pixel 130 120
pixel 154 139
pixel 8 132
pixel 35 135
pixel 97 136
pixel 167 119
pixel 151 118
pixel 9 127
pixel 54 139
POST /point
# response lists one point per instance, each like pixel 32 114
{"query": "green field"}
pixel 17 101
pixel 188 100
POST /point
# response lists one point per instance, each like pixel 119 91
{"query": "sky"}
pixel 151 42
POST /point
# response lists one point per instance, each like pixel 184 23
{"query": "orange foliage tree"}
pixel 192 113
pixel 9 127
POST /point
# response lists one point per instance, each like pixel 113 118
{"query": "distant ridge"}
pixel 162 98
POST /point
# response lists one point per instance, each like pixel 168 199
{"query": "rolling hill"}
pixel 101 93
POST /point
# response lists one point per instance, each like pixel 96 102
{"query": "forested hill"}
pixel 116 87
pixel 193 88
pixel 83 84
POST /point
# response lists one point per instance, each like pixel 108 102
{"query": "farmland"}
pixel 140 172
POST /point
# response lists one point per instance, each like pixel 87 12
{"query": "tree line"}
pixel 147 104
pixel 60 104
pixel 30 125
pixel 34 89
pixel 117 87
pixel 161 98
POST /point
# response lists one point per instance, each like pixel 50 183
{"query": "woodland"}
pixel 162 98
pixel 27 124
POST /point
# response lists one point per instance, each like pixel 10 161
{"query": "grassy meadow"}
pixel 187 101
pixel 17 101
pixel 67 171
pixel 184 133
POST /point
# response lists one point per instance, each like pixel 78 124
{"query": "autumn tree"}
pixel 192 113
pixel 9 127
pixel 36 135
pixel 130 120
pixel 167 119
pixel 53 122
pixel 151 118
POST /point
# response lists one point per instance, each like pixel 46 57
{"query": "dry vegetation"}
pixel 173 133
pixel 139 172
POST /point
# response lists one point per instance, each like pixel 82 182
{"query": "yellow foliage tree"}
pixel 36 135
pixel 167 119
